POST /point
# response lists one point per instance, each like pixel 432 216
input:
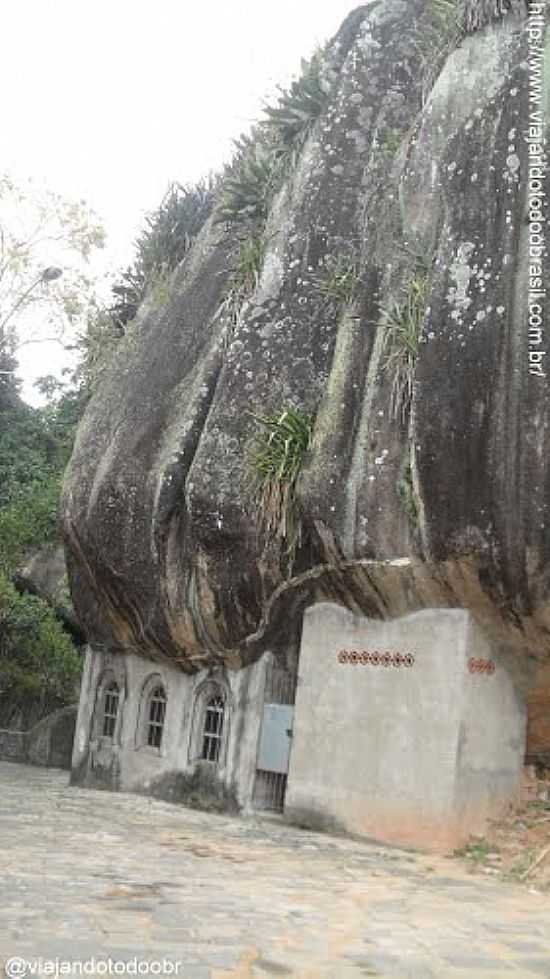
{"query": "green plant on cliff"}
pixel 265 157
pixel 476 14
pixel 390 141
pixel 164 241
pixel 402 321
pixel 98 345
pixel 248 189
pixel 439 36
pixel 249 262
pixel 339 280
pixel 405 492
pixel 277 456
pixel 245 276
pixel 300 106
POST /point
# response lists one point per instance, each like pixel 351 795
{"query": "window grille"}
pixel 269 790
pixel 213 729
pixel 157 711
pixel 110 709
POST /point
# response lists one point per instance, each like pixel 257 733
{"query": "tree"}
pixel 46 242
pixel 39 663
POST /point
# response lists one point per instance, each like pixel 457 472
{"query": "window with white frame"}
pixel 213 729
pixel 156 712
pixel 111 698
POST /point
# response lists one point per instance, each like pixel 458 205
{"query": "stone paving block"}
pixel 529 948
pixel 272 968
pixel 410 968
pixel 535 967
pixel 472 962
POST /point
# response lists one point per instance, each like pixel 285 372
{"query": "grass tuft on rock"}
pixel 338 282
pixel 402 320
pixel 277 457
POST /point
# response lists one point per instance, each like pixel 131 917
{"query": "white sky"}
pixel 111 99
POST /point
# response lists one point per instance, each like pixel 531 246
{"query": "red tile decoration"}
pixel 364 658
pixel 486 666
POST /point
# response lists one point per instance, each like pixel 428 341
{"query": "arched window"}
pixel 156 712
pixel 212 734
pixel 111 699
pixel 210 727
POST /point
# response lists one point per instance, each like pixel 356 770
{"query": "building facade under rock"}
pixel 410 731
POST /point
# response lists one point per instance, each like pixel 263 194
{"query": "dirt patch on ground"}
pixel 517 847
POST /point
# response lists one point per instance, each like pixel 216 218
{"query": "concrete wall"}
pixel 492 737
pixel 419 751
pixel 172 772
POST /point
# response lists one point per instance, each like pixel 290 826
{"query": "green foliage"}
pixel 249 188
pixel 339 281
pixel 405 492
pixel 29 522
pixel 245 277
pixel 61 415
pixel 276 460
pixel 264 158
pixel 476 850
pixel 476 14
pixel 35 445
pixel 38 661
pixel 160 289
pixel 164 241
pixel 300 106
pixel 444 13
pixel 439 38
pixel 40 233
pixel 28 450
pixel 402 320
pixel 170 230
pixel 97 345
pixel 390 141
pixel 27 456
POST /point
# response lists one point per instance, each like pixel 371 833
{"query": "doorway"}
pixel 275 739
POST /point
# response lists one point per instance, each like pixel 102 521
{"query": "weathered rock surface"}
pixel 443 504
pixel 45 574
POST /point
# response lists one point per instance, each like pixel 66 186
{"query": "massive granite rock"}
pixel 417 169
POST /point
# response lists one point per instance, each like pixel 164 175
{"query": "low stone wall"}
pixel 13 745
pixel 48 743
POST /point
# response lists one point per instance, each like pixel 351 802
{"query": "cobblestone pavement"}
pixel 88 874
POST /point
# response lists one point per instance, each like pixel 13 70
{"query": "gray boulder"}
pixel 427 480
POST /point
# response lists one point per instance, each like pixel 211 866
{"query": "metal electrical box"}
pixel 276 737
